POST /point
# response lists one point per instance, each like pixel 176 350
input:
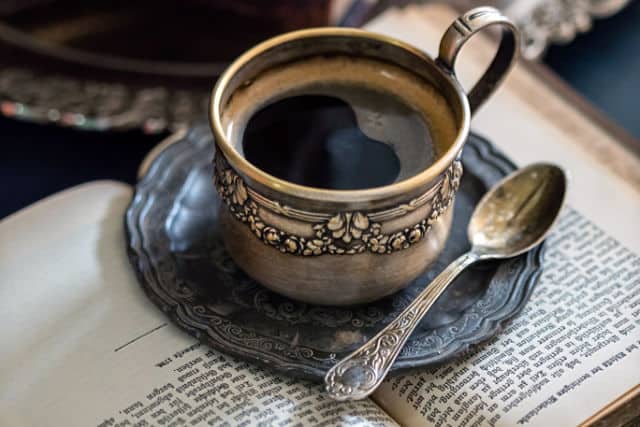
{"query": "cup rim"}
pixel 393 190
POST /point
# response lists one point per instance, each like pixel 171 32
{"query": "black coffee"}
pixel 339 122
pixel 314 140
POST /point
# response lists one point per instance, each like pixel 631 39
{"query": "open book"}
pixel 80 345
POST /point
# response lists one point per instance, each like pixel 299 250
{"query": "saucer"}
pixel 175 247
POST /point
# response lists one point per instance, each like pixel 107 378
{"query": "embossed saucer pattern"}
pixel 175 247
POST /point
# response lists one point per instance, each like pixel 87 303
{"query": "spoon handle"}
pixel 359 374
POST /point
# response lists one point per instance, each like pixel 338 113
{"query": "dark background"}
pixel 38 160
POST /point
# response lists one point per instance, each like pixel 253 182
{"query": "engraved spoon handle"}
pixel 359 374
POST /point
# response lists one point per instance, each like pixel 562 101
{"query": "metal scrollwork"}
pixel 165 258
pixel 545 22
pixel 368 369
pixel 95 105
pixel 343 233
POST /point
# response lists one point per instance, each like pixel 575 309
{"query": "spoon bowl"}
pixel 516 214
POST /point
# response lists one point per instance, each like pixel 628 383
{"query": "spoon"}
pixel 509 220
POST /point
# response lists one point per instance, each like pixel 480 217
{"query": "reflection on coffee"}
pixel 339 123
pixel 315 140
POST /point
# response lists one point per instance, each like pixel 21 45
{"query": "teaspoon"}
pixel 512 218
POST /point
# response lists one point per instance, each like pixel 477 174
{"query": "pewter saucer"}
pixel 177 252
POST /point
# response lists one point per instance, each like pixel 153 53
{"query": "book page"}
pixel 576 346
pixel 82 345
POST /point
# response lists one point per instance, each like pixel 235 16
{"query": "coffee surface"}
pixel 315 140
pixel 339 123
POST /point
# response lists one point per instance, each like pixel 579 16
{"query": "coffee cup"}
pixel 338 156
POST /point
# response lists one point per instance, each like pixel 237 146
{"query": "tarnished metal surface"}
pixel 176 249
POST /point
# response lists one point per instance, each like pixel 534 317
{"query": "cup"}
pixel 342 247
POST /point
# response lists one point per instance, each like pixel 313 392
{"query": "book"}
pixel 82 345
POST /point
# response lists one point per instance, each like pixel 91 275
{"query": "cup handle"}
pixel 465 27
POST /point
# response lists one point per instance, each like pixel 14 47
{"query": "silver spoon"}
pixel 509 220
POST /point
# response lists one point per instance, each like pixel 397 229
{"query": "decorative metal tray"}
pixel 176 250
pixel 132 64
pixel 546 22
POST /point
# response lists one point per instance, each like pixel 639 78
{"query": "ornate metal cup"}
pixel 348 246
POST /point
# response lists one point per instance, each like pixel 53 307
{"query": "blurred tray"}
pixel 130 64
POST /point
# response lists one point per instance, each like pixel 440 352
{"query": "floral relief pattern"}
pixel 345 233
